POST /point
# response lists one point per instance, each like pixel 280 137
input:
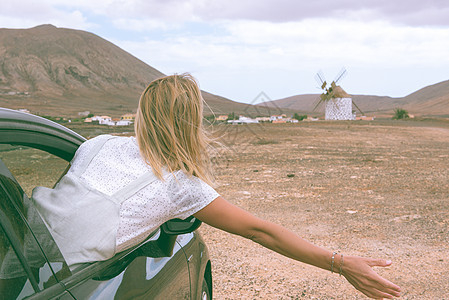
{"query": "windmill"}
pixel 338 104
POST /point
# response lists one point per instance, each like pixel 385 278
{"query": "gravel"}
pixel 376 189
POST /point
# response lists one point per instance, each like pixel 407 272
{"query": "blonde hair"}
pixel 169 128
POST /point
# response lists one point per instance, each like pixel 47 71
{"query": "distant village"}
pixel 247 120
pixel 282 118
pixel 124 120
pixel 128 118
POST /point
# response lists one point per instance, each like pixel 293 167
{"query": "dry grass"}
pixel 375 189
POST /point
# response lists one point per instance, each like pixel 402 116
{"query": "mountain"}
pixel 60 72
pixel 432 100
pixel 307 103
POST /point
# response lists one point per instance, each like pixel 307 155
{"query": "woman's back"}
pixel 116 165
pixel 108 172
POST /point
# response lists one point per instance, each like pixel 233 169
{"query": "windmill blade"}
pixel 319 77
pixel 323 86
pixel 318 103
pixel 340 75
pixel 323 98
pixel 358 108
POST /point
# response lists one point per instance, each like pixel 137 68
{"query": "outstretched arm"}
pixel 357 270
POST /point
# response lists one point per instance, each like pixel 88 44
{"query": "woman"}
pixel 139 183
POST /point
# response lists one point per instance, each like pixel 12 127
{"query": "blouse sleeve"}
pixel 81 152
pixel 188 195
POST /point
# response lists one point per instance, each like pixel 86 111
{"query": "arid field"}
pixel 377 189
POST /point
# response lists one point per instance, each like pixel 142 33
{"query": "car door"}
pixel 141 277
pixel 30 262
pixel 151 275
pixel 23 138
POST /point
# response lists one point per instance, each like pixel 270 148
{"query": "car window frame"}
pixel 18 128
pixel 22 129
pixel 14 241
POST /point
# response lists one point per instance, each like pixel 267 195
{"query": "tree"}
pixel 210 118
pixel 299 117
pixel 232 116
pixel 400 114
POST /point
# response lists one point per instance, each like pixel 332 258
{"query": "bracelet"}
pixel 332 261
pixel 341 264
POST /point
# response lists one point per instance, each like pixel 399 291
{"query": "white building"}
pixel 243 120
pixel 263 119
pixel 101 119
pixel 277 117
pixel 106 120
pixel 123 123
pixel 339 109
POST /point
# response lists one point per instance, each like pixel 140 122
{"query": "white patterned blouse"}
pixel 116 165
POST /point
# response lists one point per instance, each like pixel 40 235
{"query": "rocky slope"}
pixel 59 71
pixel 432 100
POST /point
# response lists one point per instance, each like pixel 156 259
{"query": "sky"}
pixel 240 48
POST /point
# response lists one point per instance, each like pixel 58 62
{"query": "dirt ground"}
pixel 376 189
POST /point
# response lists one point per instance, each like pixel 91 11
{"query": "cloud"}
pixel 238 47
pixel 249 43
pixel 410 12
pixel 28 13
pixel 141 15
pixel 140 25
pixel 255 55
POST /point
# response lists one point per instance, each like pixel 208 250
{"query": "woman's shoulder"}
pixel 181 181
pixel 98 142
pixel 110 140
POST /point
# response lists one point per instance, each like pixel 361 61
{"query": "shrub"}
pixel 210 118
pixel 263 141
pixel 400 114
pixel 232 116
pixel 299 117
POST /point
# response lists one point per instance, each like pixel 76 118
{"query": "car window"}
pixel 32 167
pixel 29 258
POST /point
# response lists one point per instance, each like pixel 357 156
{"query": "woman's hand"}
pixel 358 271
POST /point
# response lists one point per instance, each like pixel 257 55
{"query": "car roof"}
pixel 20 128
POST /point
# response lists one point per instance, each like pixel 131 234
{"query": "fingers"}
pixel 367 281
pixel 377 290
pixel 381 293
pixel 390 286
pixel 379 263
pixel 374 293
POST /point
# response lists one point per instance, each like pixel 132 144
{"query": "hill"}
pixel 59 71
pixel 432 100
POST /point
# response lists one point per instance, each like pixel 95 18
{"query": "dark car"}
pixel 173 263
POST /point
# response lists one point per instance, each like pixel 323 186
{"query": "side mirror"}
pixel 162 247
pixel 178 226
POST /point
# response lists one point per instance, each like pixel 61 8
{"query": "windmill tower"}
pixel 338 104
